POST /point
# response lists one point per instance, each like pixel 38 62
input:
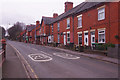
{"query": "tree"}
pixel 2 32
pixel 15 30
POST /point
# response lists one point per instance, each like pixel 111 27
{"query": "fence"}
pixel 2 52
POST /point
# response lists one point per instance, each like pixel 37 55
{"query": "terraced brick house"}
pixel 85 24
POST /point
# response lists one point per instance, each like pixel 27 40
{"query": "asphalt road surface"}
pixel 51 63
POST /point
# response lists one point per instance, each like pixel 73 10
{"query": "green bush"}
pixel 111 45
pixel 102 46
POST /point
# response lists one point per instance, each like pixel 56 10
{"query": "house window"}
pixel 80 21
pixel 58 27
pixel 68 23
pixel 80 39
pixel 39 31
pixel 68 37
pixel 101 13
pixel 52 27
pixel 101 36
pixel 58 38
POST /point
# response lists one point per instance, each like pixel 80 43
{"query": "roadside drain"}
pixel 40 57
pixel 66 56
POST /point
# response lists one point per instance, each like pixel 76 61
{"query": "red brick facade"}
pixel 91 23
pixel 98 24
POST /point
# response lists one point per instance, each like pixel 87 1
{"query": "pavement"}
pixel 95 56
pixel 12 67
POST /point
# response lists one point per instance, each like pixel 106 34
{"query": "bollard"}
pixel 3 41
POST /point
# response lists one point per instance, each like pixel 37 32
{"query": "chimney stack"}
pixel 37 22
pixel 68 6
pixel 55 15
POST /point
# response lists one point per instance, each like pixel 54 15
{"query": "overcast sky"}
pixel 28 11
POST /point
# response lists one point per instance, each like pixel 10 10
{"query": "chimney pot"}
pixel 55 15
pixel 68 6
pixel 37 22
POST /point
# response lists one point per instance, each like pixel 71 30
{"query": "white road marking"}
pixel 34 49
pixel 46 53
pixel 66 56
pixel 41 56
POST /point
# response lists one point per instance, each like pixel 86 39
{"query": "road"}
pixel 51 63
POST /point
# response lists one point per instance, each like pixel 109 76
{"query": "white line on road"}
pixel 66 56
pixel 46 53
pixel 34 49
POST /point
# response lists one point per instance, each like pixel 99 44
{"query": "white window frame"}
pixel 68 23
pixel 86 32
pixel 92 33
pixel 79 35
pixel 79 20
pixel 101 13
pixel 68 37
pixel 39 31
pixel 58 38
pixel 99 38
pixel 58 24
pixel 49 39
pixel 52 27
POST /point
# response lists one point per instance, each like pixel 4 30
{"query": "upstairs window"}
pixel 68 23
pixel 58 38
pixel 39 31
pixel 80 21
pixel 101 14
pixel 58 26
pixel 52 28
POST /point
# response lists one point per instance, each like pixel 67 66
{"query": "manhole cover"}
pixel 40 57
pixel 66 56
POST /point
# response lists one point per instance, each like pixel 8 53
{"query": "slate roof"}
pixel 78 9
pixel 30 27
pixel 47 20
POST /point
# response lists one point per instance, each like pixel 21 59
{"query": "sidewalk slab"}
pixel 95 56
pixel 12 67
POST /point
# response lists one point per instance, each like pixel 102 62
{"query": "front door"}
pixel 86 39
pixel 92 38
pixel 64 39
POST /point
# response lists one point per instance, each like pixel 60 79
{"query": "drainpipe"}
pixel 109 22
pixel 49 29
pixel 73 27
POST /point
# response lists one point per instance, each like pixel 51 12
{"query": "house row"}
pixel 85 24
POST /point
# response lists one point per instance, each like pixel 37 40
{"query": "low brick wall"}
pixel 99 52
pixel 114 52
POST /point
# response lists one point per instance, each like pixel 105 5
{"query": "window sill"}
pixel 101 42
pixel 101 19
pixel 79 27
pixel 68 41
pixel 68 28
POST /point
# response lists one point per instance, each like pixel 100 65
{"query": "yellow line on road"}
pixel 26 62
